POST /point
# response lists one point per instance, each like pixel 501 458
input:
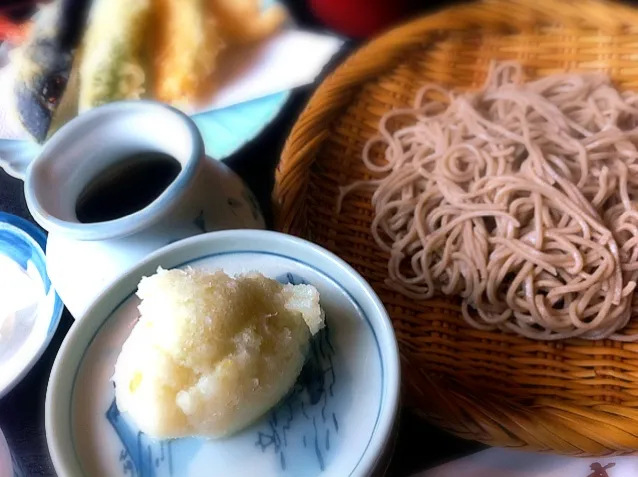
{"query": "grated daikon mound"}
pixel 211 353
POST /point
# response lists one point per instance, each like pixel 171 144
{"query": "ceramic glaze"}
pixel 30 309
pixel 83 258
pixel 337 421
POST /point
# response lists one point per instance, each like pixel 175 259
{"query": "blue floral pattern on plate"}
pixel 140 456
pixel 308 402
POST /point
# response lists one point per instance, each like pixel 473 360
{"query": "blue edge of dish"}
pixel 21 251
pixel 144 457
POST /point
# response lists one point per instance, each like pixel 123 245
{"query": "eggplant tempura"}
pixel 44 64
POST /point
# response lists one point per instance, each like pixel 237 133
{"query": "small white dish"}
pixel 30 309
pixel 339 421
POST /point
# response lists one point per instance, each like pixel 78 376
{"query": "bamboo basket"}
pixel 571 397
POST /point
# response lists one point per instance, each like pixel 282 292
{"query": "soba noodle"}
pixel 521 198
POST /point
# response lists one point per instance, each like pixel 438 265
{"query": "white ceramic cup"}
pixel 94 143
pixel 83 258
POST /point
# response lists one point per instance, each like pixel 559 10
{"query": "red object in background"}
pixel 359 18
pixel 15 20
pixel 11 31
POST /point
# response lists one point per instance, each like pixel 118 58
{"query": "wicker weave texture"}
pixel 572 397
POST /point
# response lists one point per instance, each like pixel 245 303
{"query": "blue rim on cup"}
pixel 23 244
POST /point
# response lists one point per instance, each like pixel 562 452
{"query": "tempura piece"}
pixel 211 353
pixel 244 21
pixel 187 46
pixel 112 67
pixel 44 64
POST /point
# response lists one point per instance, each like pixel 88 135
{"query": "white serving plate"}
pixel 339 421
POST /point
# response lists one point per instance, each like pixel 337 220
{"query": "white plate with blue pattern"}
pixel 30 309
pixel 338 421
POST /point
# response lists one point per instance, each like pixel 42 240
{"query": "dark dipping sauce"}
pixel 127 187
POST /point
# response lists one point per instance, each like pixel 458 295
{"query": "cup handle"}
pixel 15 156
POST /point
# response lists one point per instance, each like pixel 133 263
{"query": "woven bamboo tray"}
pixel 572 397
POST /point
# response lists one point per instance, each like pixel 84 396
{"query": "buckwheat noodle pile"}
pixel 521 198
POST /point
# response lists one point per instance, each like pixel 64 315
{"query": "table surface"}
pixel 22 410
